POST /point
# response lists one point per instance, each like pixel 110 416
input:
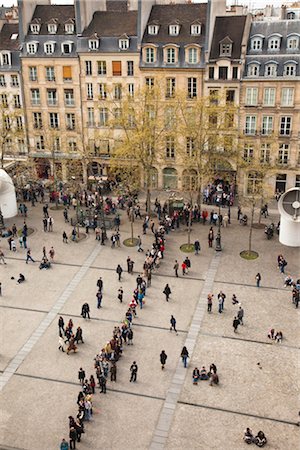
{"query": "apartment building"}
pixel 270 102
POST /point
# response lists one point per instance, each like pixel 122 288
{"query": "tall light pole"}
pixel 218 238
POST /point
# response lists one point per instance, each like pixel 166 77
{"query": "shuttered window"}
pixel 67 72
pixel 116 68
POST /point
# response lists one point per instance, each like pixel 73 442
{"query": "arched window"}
pixel 253 70
pixel 292 43
pixel 290 70
pixel 192 55
pixel 271 70
pixel 274 43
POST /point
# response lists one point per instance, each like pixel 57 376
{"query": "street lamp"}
pixel 218 238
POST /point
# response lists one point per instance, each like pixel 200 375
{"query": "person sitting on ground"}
pixel 203 374
pixel 45 263
pixel 278 337
pixel 271 333
pixel 248 436
pixel 196 375
pixel 288 281
pixel 260 440
pixel 21 278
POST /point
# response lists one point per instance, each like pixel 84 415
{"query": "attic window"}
pixel 14 36
pixel 69 28
pixel 66 47
pixel 225 49
pixel 35 28
pixel 290 16
pixel 93 44
pixel 123 44
pixel 52 28
pixel 173 30
pixel 153 29
pixel 196 29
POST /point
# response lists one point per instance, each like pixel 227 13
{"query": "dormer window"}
pixel 49 47
pixel 32 47
pixel 5 59
pixel 66 47
pixel 192 55
pixel 290 69
pixel 196 29
pixel 226 47
pixel 153 29
pixel 293 43
pixel 93 44
pixel 256 43
pixel 253 70
pixel 52 28
pixel 290 15
pixel 274 43
pixel 69 28
pixel 35 28
pixel 123 44
pixel 174 30
pixel 271 70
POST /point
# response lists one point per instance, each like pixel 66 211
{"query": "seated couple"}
pixel 45 263
pixel 260 440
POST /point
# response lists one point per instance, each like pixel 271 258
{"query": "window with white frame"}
pixel 19 123
pixel 93 44
pixel 66 47
pixel 130 89
pixel 32 47
pixel 56 144
pixel 192 87
pixel 50 73
pixel 254 181
pixel 5 59
pixel 130 68
pixel 89 91
pixel 274 43
pixel 14 80
pixel 253 70
pixel 171 55
pixel 190 146
pixel 17 101
pixel 192 55
pixel 69 97
pixel 101 67
pixel 287 97
pixel 53 120
pixel 35 96
pixel 251 96
pixel 52 28
pixel 91 117
pixel 292 43
pixel 269 97
pixel 250 125
pixel 49 48
pixel 265 151
pixel 170 87
pixel 248 152
pixel 225 49
pixel 153 29
pixel 69 28
pixel 102 91
pixel 103 117
pixel 283 154
pixel 37 120
pixel 35 28
pixel 174 30
pixel 289 70
pixel 196 29
pixel 21 146
pixel 88 67
pixel 267 125
pixel 285 125
pixel 150 55
pixel 271 70
pixel 39 143
pixel 72 144
pixel 256 43
pixel 52 97
pixel 4 100
pixel 117 91
pixel 170 147
pixel 33 73
pixel 2 81
pixel 123 44
pixel 7 123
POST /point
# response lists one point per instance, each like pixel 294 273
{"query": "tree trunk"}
pixel 131 227
pixel 189 227
pixel 251 227
pixel 148 200
pixel 261 205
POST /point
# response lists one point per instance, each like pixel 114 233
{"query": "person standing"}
pixel 120 294
pixel 163 359
pixel 184 355
pixel 81 376
pixel 99 299
pixel 113 372
pixel 210 237
pixel 167 292
pixel 85 311
pixel 102 382
pixel 140 244
pixel 130 264
pixel 258 279
pixel 173 324
pixel 73 437
pixel 220 300
pixel 209 302
pixel 65 237
pixel 2 257
pixel 100 284
pixel 51 253
pixel 240 315
pixel 61 325
pixel 119 271
pixel 130 336
pixel 235 324
pixel 176 267
pixel 133 370
pixel 197 247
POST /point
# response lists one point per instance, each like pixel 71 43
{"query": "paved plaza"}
pixel 259 379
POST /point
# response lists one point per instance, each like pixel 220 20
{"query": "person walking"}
pixel 184 356
pixel 220 300
pixel 240 315
pixel 163 358
pixel 197 247
pixel 167 292
pixel 173 324
pixel 73 437
pixel 140 244
pixel 65 237
pixel 176 267
pixel 81 376
pixel 133 370
pixel 61 325
pixel 209 302
pixel 119 271
pixel 85 311
pixel 120 294
pixel 29 257
pixel 258 279
pixel 51 254
pixel 2 259
pixel 235 324
pixel 210 237
pixel 99 299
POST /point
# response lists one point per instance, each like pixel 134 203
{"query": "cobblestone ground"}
pixel 163 409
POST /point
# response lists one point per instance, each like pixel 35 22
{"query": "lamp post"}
pixel 2 226
pixel 218 238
